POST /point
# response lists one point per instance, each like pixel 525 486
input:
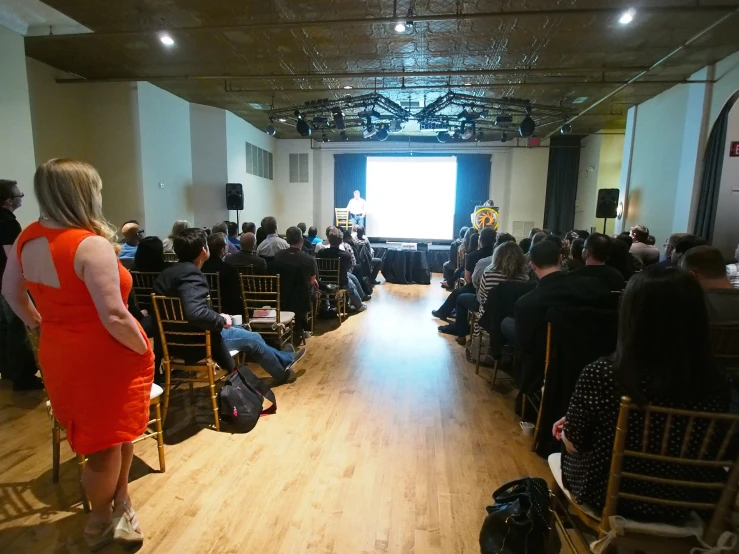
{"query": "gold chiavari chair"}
pixel 704 440
pixel 725 347
pixel 143 285
pixel 263 292
pixel 214 283
pixel 342 218
pixel 329 273
pixel 179 339
pixel 246 270
pixel 170 257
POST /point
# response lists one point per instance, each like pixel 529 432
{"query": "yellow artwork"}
pixel 485 216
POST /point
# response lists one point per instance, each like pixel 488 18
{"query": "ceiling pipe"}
pixel 651 68
pixel 515 14
pixel 369 75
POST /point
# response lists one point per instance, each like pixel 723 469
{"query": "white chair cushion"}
pixel 156 391
pixel 285 318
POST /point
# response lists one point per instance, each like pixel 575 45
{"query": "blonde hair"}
pixel 179 226
pixel 68 193
pixel 508 260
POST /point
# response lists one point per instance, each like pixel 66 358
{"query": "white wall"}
pixel 260 195
pixel 600 168
pixel 166 158
pixel 16 139
pixel 295 200
pixel 209 164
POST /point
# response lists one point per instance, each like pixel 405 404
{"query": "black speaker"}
pixel 234 196
pixel 607 206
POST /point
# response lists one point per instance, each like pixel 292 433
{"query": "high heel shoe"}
pixel 96 542
pixel 127 530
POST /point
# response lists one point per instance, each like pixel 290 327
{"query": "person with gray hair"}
pixel 247 255
pixel 640 247
pixel 706 263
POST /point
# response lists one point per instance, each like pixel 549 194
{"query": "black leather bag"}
pixel 242 399
pixel 518 522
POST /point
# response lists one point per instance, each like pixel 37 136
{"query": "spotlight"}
pixel 396 126
pixel 343 137
pixel 270 130
pixel 348 87
pixel 566 129
pixel 468 84
pixel 400 27
pixel 527 126
pixel 382 132
pixel 467 131
pixel 443 137
pixel 479 137
pixel 339 121
pixel 302 126
pixel 325 138
pixel 627 17
pixel 370 130
pixel 282 120
pixel 504 137
pixel 166 39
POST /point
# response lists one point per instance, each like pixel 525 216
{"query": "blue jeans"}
pixel 357 220
pixel 353 291
pixel 256 350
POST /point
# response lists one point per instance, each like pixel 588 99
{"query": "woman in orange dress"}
pixel 96 360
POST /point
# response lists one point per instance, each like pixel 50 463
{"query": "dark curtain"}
pixel 350 174
pixel 473 184
pixel 564 162
pixel 713 163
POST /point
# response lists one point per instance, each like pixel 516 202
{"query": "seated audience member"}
pixel 732 270
pixel 722 300
pixel 595 253
pixel 222 227
pixel 683 245
pixel 246 256
pixel 534 231
pixel 575 260
pixel 131 240
pixel 484 263
pixel 450 266
pixel 670 244
pixel 149 256
pixel 630 259
pixel 313 236
pixel 229 280
pixel 651 240
pixel 469 245
pixel 583 234
pixel 356 275
pixel 487 242
pixel 334 251
pixel 375 263
pixel 324 244
pixel 233 233
pixel 186 281
pixel 525 245
pixel 179 226
pixel 248 227
pixel 535 239
pixel 660 307
pixel 272 243
pixel 261 234
pixel 640 247
pixel 303 229
pixel 297 271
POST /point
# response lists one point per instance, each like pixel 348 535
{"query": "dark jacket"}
pixel 242 258
pixel 610 277
pixel 230 285
pixel 185 281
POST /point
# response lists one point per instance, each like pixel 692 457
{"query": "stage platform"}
pixel 436 254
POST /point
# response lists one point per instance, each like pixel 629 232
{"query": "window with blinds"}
pixel 258 162
pixel 299 168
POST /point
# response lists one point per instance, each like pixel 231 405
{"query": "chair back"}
pixel 725 346
pixel 342 217
pixel 128 263
pixel 170 257
pixel 214 284
pixel 143 285
pixel 329 271
pixel 178 337
pixel 246 270
pixel 675 440
pixel 261 291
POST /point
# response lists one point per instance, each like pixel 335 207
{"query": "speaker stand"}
pixel 605 220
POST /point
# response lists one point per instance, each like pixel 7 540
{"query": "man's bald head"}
pixel 131 233
pixel 248 242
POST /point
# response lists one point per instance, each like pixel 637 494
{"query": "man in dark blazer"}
pixel 247 255
pixel 185 281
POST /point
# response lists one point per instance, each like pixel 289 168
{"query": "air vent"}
pixel 258 161
pixel 521 229
pixel 299 168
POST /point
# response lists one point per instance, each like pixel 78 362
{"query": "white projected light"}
pixel 411 198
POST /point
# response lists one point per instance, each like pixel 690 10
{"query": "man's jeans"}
pixel 357 220
pixel 16 358
pixel 465 303
pixel 451 301
pixel 353 291
pixel 256 350
pixel 376 267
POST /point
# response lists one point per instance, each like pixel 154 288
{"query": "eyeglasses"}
pixel 140 232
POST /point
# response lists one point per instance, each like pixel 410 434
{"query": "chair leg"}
pixel 191 386
pixel 479 352
pixel 167 386
pixel 160 438
pixel 495 374
pixel 81 462
pixel 213 399
pixel 56 440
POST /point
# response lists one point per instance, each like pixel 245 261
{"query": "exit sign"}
pixel 734 151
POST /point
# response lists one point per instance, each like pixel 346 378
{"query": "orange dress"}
pixel 98 387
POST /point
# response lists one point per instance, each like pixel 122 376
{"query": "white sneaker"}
pixel 362 308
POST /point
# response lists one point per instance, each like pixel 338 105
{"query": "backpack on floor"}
pixel 241 400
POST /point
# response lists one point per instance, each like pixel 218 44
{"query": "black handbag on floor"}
pixel 518 521
pixel 241 400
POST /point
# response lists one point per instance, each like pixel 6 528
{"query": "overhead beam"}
pixel 503 14
pixel 368 75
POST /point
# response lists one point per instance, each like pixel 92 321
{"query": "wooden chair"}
pixel 143 285
pixel 170 257
pixel 58 434
pixel 263 291
pixel 713 432
pixel 329 273
pixel 342 218
pixel 174 332
pixel 214 283
pixel 725 346
pixel 246 270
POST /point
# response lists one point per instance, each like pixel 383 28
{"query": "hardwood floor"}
pixel 389 443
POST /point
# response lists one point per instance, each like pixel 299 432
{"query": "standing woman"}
pixel 96 360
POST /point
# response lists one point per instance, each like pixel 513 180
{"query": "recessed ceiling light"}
pixel 166 39
pixel 282 120
pixel 468 84
pixel 348 87
pixel 400 27
pixel 627 17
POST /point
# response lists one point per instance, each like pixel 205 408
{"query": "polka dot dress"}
pixel 591 427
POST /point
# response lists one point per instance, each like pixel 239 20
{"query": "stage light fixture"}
pixel 501 120
pixel 302 126
pixel 468 84
pixel 339 121
pixel 467 131
pixel 270 130
pixel 396 126
pixel 566 129
pixel 479 137
pixel 504 137
pixel 370 130
pixel 400 27
pixel 527 126
pixel 443 137
pixel 324 138
pixel 343 137
pixel 382 132
pixel 282 120
pixel 627 17
pixel 348 87
pixel 166 39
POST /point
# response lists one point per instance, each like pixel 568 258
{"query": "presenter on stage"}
pixel 357 209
